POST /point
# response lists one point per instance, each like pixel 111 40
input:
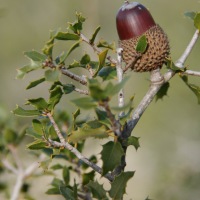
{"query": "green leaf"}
pixel 26 113
pixel 35 56
pixel 45 164
pixel 85 59
pixel 57 182
pixel 57 167
pixel 55 96
pixel 74 64
pixel 67 193
pixel 84 102
pixel 111 89
pixel 37 126
pixel 87 177
pixel 28 68
pixel 197 21
pixel 89 129
pixel 94 35
pixel 30 132
pixel 191 15
pixel 96 91
pixel 163 91
pixel 66 175
pixel 9 135
pixel 39 104
pixel 102 58
pixel 35 83
pixel 134 141
pixel 118 186
pixel 111 156
pixel 76 26
pixel 107 73
pixel 105 44
pixel 64 56
pixel 103 117
pixel 68 88
pixel 48 48
pixel 195 89
pixel 52 75
pixel 97 190
pixel 53 191
pixel 142 44
pixel 66 36
pixel 37 145
pixel 170 65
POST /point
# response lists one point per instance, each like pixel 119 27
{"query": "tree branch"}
pixel 156 84
pixel 190 72
pixel 73 150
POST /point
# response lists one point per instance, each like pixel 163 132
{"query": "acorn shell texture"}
pixel 154 56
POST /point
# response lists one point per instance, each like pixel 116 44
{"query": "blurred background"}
pixel 168 163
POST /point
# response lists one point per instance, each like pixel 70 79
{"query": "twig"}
pixel 190 72
pixel 155 87
pixel 59 134
pixel 8 166
pixel 180 62
pixel 79 156
pixel 73 76
pixel 96 49
pixel 86 92
pixel 120 78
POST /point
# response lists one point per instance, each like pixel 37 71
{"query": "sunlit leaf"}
pixel 57 167
pixel 97 190
pixel 35 83
pixel 66 36
pixel 142 44
pixel 89 129
pixel 118 186
pixel 170 65
pixel 28 68
pixel 9 135
pixel 37 145
pixel 26 113
pixel 105 44
pixel 35 56
pixel 39 104
pixel 74 64
pixel 102 58
pixel 94 35
pixel 111 156
pixel 197 21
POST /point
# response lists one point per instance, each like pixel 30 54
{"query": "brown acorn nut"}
pixel 134 20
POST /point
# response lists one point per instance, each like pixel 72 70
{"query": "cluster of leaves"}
pixel 100 89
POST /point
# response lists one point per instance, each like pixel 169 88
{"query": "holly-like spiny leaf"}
pixel 35 56
pixel 118 186
pixel 55 96
pixel 66 36
pixel 111 156
pixel 37 145
pixel 133 141
pixel 85 102
pixel 89 129
pixel 107 73
pixel 163 91
pixel 105 44
pixel 97 190
pixel 52 75
pixel 35 83
pixel 94 35
pixel 87 177
pixel 39 103
pixel 194 88
pixel 26 113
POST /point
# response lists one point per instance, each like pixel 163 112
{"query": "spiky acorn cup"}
pixel 133 21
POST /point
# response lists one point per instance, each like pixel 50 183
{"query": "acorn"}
pixel 133 20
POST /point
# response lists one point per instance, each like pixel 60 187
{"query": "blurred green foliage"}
pixel 169 130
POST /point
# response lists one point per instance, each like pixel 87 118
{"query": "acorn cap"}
pixel 133 20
